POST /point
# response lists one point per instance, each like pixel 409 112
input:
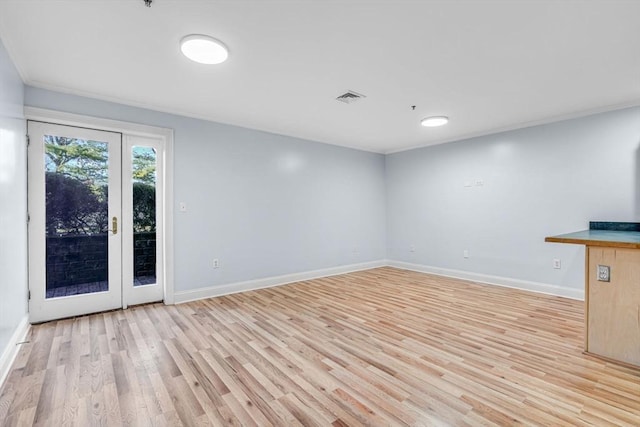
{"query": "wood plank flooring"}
pixel 379 347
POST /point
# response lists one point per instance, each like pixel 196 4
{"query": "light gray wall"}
pixel 537 182
pixel 13 202
pixel 268 205
pixel 263 204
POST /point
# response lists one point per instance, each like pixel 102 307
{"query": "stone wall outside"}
pixel 73 260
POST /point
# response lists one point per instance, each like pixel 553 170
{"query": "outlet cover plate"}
pixel 604 273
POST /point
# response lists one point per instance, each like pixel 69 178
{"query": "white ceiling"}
pixel 488 65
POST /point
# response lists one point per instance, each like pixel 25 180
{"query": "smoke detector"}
pixel 350 97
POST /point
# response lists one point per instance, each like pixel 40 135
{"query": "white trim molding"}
pixel 269 282
pixel 541 288
pixel 11 350
pixel 72 119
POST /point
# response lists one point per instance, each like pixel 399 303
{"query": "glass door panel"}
pixel 76 193
pixel 144 172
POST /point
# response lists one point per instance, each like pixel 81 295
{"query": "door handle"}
pixel 114 225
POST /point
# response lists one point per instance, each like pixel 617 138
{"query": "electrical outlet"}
pixel 479 182
pixel 465 253
pixel 216 263
pixel 604 273
pixel 557 264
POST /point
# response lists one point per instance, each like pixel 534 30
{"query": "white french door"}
pixel 142 203
pixel 94 216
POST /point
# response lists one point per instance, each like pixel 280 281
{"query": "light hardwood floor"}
pixel 379 347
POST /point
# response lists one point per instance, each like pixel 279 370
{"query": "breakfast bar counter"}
pixel 605 238
pixel 612 289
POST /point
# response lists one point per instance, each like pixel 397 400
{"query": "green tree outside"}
pixel 76 182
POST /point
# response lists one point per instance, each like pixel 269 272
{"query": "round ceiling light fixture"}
pixel 204 49
pixel 434 121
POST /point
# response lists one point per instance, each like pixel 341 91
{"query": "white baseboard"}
pixel 543 288
pixel 11 351
pixel 268 282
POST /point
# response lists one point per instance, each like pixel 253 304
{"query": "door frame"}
pixel 131 129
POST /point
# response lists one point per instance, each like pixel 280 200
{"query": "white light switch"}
pixel 183 207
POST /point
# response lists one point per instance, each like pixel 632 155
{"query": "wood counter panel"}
pixel 614 307
pixel 603 238
pixel 600 243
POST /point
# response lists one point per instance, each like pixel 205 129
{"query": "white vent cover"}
pixel 350 97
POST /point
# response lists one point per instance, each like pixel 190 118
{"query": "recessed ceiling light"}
pixel 434 121
pixel 204 49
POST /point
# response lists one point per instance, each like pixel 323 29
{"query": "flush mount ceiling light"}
pixel 204 49
pixel 434 121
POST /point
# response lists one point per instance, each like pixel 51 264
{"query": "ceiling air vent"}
pixel 350 97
